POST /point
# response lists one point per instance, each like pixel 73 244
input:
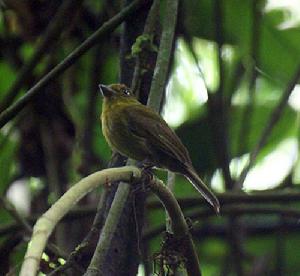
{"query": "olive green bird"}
pixel 138 132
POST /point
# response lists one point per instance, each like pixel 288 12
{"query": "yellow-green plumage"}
pixel 140 133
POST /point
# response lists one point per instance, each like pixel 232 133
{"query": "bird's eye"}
pixel 126 91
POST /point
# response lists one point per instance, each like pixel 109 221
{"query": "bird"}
pixel 140 133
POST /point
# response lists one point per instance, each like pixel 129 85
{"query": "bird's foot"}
pixel 146 177
pixel 145 164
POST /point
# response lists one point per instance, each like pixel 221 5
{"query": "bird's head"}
pixel 115 91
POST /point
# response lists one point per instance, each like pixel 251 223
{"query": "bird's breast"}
pixel 116 130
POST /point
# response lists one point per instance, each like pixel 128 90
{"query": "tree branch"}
pixel 105 29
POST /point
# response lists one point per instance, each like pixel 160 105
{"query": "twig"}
pixel 50 36
pixel 273 119
pixel 105 29
pixel 252 210
pixel 236 198
pixel 45 225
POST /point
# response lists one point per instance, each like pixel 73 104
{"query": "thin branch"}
pixel 189 43
pixel 49 38
pixel 236 210
pixel 273 119
pixel 236 198
pixel 252 210
pixel 45 225
pixel 104 30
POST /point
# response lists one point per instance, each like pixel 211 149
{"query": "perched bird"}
pixel 138 132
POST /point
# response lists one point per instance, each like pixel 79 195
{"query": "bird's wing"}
pixel 147 124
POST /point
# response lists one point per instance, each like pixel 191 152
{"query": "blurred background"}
pixel 232 96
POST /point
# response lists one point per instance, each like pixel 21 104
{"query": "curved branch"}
pixel 45 225
pixel 179 225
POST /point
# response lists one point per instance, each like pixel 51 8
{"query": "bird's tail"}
pixel 202 188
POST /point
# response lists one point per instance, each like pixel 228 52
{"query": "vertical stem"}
pixel 164 54
pixel 108 230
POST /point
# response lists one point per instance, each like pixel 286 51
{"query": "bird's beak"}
pixel 105 90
